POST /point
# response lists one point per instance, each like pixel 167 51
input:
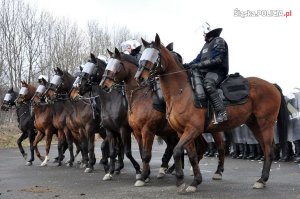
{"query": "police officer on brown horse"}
pixel 212 63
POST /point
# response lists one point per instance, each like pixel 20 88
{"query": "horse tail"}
pixel 282 120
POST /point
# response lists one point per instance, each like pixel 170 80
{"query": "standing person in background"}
pixel 294 135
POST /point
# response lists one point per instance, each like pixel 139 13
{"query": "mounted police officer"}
pixel 132 47
pixel 212 62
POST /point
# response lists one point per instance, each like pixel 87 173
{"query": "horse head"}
pixel 117 69
pixel 151 62
pixel 60 84
pixel 26 92
pixel 9 100
pixel 40 92
pixel 90 75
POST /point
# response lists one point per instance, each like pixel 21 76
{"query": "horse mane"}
pixel 31 90
pixel 130 59
pixel 171 57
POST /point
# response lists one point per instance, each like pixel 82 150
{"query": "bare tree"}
pixel 32 28
pixel 13 39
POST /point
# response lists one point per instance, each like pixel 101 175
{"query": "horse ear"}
pixel 110 53
pixel 170 46
pixel 157 40
pixel 24 83
pixel 80 68
pixel 93 58
pixel 117 52
pixel 44 81
pixel 145 43
pixel 59 71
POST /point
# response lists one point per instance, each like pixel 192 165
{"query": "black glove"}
pixel 198 65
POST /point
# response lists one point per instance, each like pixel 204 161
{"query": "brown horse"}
pixel 145 120
pixel 43 114
pixel 260 112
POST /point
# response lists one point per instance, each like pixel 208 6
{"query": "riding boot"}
pixel 218 107
pixel 246 151
pixel 259 155
pixel 252 154
pixel 276 156
pixel 241 148
pixel 235 152
pixel 211 149
pixel 227 147
pixel 287 153
pixel 297 151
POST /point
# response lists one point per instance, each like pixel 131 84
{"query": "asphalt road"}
pixel 18 181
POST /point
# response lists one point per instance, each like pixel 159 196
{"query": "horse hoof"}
pixel 25 156
pixel 259 185
pixel 117 172
pixel 217 176
pixel 139 183
pixel 82 166
pixel 28 163
pixel 107 177
pixel 69 164
pixel 138 176
pixel 161 173
pixel 181 188
pixel 191 189
pixel 44 164
pixel 88 170
pixel 147 180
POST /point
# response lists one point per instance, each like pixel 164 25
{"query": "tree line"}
pixel 33 42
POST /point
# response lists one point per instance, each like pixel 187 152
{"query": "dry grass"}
pixel 10 134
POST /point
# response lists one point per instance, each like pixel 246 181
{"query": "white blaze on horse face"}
pixel 88 68
pixel 150 54
pixel 113 65
pixel 23 91
pixel 56 80
pixel 7 97
pixel 40 89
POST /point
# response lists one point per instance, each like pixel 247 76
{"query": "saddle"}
pixel 234 90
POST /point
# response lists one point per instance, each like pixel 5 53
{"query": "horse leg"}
pixel 49 135
pixel 193 157
pixel 84 149
pixel 220 144
pixel 147 139
pixel 61 140
pixel 265 138
pixel 120 154
pixel 31 135
pixel 70 147
pixel 187 138
pixel 91 149
pixel 112 156
pixel 126 138
pixel 105 154
pixel 171 143
pixel 37 139
pixel 23 136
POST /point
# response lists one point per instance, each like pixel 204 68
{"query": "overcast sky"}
pixel 265 47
